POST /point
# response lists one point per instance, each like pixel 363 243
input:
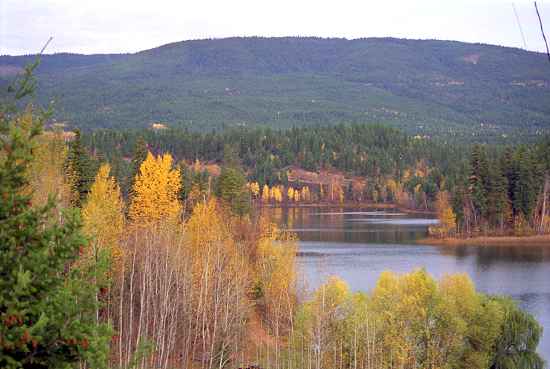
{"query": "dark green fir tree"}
pixel 138 157
pixel 47 304
pixel 82 167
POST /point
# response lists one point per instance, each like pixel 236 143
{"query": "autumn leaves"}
pixel 155 191
pixel 197 291
pixel 181 289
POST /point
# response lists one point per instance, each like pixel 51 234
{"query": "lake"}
pixel 358 245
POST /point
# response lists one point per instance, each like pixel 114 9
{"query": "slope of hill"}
pixel 426 87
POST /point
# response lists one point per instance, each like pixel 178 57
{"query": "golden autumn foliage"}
pixel 103 213
pixel 276 265
pixel 297 196
pixel 290 194
pixel 459 315
pixel 48 175
pixel 272 192
pixel 265 193
pixel 445 214
pixel 276 193
pixel 275 281
pixel 254 189
pixel 305 194
pixel 156 191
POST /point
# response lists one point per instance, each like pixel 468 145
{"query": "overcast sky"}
pixel 114 26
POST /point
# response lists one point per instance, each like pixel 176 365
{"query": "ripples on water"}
pixel 359 245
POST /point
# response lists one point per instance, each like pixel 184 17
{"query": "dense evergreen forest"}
pixel 438 88
pixel 92 278
pixel 491 189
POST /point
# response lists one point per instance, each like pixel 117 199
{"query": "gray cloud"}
pixel 107 26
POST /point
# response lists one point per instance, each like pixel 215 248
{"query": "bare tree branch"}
pixel 542 31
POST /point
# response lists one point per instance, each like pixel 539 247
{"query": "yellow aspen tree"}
pixel 254 189
pixel 445 214
pixel 306 193
pixel 297 196
pixel 156 190
pixel 47 173
pixel 276 279
pixel 103 213
pixel 290 194
pixel 265 193
pixel 272 193
pixel 278 193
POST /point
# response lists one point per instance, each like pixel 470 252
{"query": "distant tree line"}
pixel 478 189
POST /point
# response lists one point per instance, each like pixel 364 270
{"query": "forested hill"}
pixel 426 87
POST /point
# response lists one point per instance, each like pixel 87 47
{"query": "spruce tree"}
pixel 47 305
pixel 232 183
pixel 479 182
pixel 528 182
pixel 82 168
pixel 498 204
pixel 138 157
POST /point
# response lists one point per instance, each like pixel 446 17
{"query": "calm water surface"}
pixel 359 245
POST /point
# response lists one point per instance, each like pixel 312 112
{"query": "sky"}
pixel 122 26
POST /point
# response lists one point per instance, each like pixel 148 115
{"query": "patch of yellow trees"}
pixel 216 290
pixel 181 289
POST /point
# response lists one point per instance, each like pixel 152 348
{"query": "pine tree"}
pixel 232 190
pixel 82 168
pixel 231 187
pixel 138 157
pixel 47 305
pixel 527 184
pixel 498 204
pixel 479 182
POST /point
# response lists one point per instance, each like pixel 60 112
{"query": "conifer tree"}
pixel 498 204
pixel 232 183
pixel 479 181
pixel 138 157
pixel 82 168
pixel 527 184
pixel 47 306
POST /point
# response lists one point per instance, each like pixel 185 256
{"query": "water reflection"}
pixel 359 245
pixel 333 225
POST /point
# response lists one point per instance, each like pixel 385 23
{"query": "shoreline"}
pixel 351 205
pixel 539 240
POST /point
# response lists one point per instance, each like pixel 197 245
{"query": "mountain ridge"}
pixel 423 86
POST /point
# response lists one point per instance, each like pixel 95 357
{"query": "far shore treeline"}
pixel 475 189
